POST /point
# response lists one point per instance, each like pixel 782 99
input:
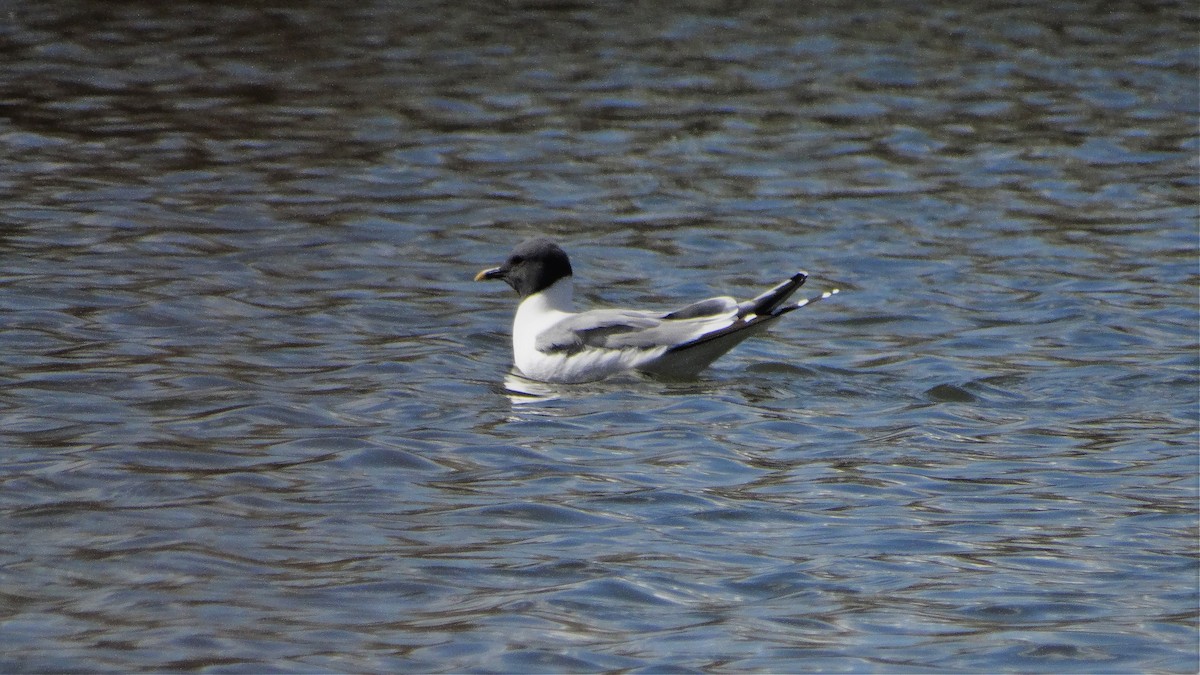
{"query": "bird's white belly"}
pixel 586 365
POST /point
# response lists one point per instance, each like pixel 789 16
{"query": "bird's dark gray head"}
pixel 532 266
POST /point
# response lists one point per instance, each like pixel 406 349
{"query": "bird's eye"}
pixel 517 260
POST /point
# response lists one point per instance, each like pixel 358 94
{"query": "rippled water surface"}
pixel 254 413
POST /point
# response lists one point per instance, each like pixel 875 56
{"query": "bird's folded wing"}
pixel 592 329
pixel 625 329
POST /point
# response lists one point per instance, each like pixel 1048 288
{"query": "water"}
pixel 255 416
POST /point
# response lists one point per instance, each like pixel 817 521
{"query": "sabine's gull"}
pixel 553 343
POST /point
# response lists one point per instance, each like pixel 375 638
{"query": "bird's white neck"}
pixel 537 313
pixel 559 297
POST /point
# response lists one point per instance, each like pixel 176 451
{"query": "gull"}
pixel 554 343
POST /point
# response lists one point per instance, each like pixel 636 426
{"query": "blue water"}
pixel 255 415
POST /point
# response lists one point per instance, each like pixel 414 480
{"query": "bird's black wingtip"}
pixel 808 301
pixel 768 302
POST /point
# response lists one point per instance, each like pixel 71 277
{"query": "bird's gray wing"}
pixel 628 329
pixel 593 329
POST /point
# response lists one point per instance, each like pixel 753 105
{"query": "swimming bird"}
pixel 553 343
